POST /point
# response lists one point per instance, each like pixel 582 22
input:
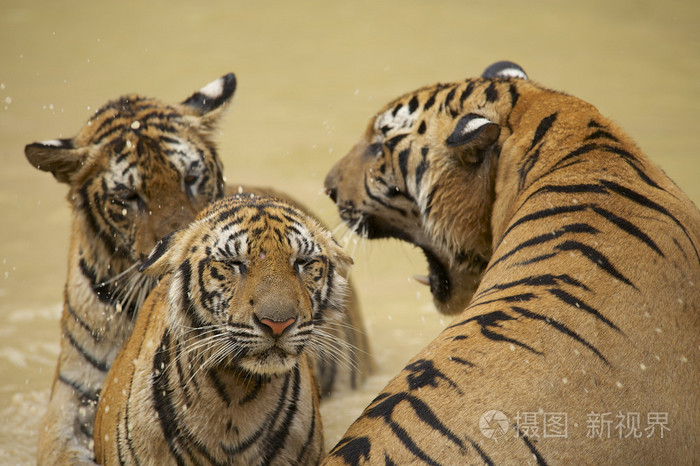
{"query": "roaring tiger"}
pixel 137 170
pixel 216 369
pixel 570 261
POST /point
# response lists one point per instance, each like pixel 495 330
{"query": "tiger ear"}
pixel 158 261
pixel 504 69
pixel 209 102
pixel 58 156
pixel 472 134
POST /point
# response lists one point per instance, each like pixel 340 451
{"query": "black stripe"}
pixel 163 401
pixel 102 366
pixel 560 327
pixel 573 301
pixel 461 361
pixel 449 97
pixel 242 445
pixel 575 153
pixel 542 128
pixel 633 162
pixel 544 213
pixel 278 438
pixel 429 103
pixel 627 227
pixel 518 298
pixel 467 92
pixel 535 259
pixel 537 280
pixel 429 200
pixel 413 104
pixel 420 171
pixel 514 95
pixel 493 319
pixel 128 426
pixel 403 164
pixel 649 204
pixel 643 176
pixel 219 387
pixel 601 134
pixel 95 335
pixel 582 228
pixel 384 406
pixel 92 222
pixel 86 395
pixel 596 257
pixel 381 202
pixel 86 431
pixel 481 452
pixel 582 188
pixel 310 437
pixel 525 168
pixel 540 460
pixel 391 143
pixel 491 93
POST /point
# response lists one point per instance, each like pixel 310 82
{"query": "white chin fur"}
pixel 271 365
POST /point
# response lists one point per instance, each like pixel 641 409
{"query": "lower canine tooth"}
pixel 422 279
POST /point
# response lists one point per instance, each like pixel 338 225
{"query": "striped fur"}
pixel 571 264
pixel 216 370
pixel 136 171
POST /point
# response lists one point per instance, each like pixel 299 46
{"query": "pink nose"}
pixel 278 328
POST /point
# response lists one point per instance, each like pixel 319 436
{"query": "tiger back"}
pixel 217 368
pixel 570 262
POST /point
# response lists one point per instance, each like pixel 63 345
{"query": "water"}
pixel 310 75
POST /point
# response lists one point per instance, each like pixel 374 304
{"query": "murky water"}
pixel 310 75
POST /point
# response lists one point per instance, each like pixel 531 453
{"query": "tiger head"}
pixel 252 282
pixel 137 170
pixel 418 155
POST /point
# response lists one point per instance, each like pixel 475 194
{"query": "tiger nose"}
pixel 276 328
pixel 332 193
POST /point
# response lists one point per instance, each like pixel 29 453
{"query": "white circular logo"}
pixel 493 424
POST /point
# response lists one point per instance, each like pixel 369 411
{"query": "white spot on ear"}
pixel 214 89
pixel 52 143
pixel 135 125
pixel 511 73
pixel 475 124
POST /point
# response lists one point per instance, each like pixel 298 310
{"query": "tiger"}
pixel 139 169
pixel 216 370
pixel 568 261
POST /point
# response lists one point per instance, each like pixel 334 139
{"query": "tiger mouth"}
pixel 438 279
pixel 273 360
